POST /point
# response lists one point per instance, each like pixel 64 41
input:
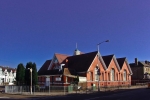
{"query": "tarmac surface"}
pixel 134 93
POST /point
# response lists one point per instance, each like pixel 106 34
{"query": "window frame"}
pixel 112 74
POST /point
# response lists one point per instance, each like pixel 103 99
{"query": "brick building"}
pixel 141 70
pixel 90 68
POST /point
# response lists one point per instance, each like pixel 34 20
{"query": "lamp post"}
pixel 98 68
pixel 98 74
pixel 101 43
pixel 31 80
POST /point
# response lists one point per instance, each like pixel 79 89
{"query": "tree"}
pixel 76 80
pixel 27 73
pixel 34 74
pixel 20 74
pixel 30 65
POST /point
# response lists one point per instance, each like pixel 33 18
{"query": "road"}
pixel 136 94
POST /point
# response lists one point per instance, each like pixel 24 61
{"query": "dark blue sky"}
pixel 33 30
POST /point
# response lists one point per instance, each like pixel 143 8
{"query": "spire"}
pixel 76 46
pixel 76 52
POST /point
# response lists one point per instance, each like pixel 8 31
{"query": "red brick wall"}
pixel 105 74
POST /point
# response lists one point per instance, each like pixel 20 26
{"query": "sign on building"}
pixel 82 79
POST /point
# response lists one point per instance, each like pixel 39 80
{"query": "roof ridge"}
pixel 62 54
pixel 122 58
pixel 109 55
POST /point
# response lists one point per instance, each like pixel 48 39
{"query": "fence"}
pixel 139 82
pixel 61 90
pixel 49 89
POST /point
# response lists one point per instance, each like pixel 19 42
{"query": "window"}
pixel 66 79
pixel 124 75
pixel 11 73
pixel 58 79
pixel 112 74
pixel 96 76
pixel 55 60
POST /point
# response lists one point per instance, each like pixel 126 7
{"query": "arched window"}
pixel 102 76
pixel 124 75
pixel 112 76
pixel 96 76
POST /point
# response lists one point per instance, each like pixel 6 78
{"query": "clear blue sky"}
pixel 33 30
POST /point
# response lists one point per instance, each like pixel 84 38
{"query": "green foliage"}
pixel 34 74
pixel 20 74
pixel 76 80
pixel 30 65
pixel 27 73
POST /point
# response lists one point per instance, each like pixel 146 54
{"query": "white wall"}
pixel 10 76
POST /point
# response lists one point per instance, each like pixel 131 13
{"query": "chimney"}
pixel 146 62
pixel 136 61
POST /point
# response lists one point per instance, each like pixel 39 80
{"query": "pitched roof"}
pixel 50 72
pixel 9 69
pixel 44 67
pixel 143 63
pixel 81 63
pixel 121 61
pixel 107 59
pixel 61 57
pixel 140 64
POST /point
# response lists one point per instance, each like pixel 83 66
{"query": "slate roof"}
pixel 107 59
pixel 121 61
pixel 44 67
pixel 50 72
pixel 81 63
pixel 132 65
pixel 8 69
pixel 143 63
pixel 140 64
pixel 43 70
pixel 78 63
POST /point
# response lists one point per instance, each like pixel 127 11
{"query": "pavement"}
pixel 13 96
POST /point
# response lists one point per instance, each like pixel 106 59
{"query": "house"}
pixel 141 70
pixel 89 68
pixel 7 75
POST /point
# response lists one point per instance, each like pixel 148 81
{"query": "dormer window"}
pixel 55 60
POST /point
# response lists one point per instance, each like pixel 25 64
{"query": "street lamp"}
pixel 101 43
pixel 98 68
pixel 31 80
